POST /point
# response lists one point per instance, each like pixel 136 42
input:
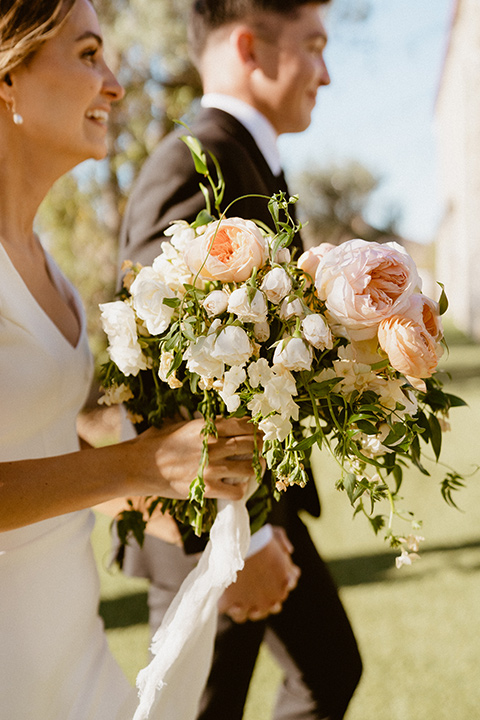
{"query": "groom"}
pixel 261 64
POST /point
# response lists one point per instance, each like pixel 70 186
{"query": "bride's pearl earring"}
pixel 17 118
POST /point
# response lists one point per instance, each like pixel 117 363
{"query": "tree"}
pixel 333 201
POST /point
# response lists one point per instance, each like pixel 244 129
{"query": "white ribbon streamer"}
pixel 174 680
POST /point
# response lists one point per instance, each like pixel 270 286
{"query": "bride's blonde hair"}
pixel 25 26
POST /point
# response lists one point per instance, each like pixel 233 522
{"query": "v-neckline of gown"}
pixel 72 301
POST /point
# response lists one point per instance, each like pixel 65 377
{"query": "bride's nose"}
pixel 111 86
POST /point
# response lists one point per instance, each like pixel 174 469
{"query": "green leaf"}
pixel 415 455
pixel 349 483
pixel 377 523
pixel 188 332
pixel 366 427
pixel 396 434
pixel 206 196
pixel 452 481
pixel 308 442
pixel 178 359
pixel 380 365
pixel 171 302
pixel 324 388
pixel 203 218
pixel 443 302
pixel 199 157
pixel 435 435
pixel 455 401
pixel 397 473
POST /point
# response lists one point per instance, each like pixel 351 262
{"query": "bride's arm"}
pixel 157 462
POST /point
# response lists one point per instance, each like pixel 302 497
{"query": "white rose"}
pixel 276 284
pixel 317 332
pixel 292 308
pixel 172 269
pixel 200 358
pixel 119 323
pixel 148 293
pixel 215 303
pixel 232 346
pixel 293 354
pixel 261 331
pixel 181 234
pixel 248 306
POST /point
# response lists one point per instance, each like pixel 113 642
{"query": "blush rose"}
pixel 363 283
pixel 227 250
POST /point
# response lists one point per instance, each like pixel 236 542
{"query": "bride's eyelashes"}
pixel 90 54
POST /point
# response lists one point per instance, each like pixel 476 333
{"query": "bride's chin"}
pixel 99 153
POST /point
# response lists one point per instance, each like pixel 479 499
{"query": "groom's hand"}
pixel 265 582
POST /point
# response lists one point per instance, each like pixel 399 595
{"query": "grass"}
pixel 417 627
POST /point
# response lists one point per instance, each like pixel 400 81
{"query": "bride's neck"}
pixel 21 193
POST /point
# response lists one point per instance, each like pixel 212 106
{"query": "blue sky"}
pixel 379 108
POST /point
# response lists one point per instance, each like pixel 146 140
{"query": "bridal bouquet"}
pixel 336 349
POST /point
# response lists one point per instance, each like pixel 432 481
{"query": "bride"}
pixel 56 92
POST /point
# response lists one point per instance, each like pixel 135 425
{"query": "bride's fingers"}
pixel 241 447
pixel 221 488
pixel 230 427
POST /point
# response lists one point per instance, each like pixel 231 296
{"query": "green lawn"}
pixel 418 627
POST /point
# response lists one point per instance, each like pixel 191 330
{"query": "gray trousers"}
pixel 311 638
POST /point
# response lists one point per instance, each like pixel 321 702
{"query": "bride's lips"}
pixel 99 116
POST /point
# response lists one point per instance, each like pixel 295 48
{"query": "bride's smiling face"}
pixel 65 92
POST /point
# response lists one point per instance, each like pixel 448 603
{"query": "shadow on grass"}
pixel 365 569
pixel 128 610
pixel 124 611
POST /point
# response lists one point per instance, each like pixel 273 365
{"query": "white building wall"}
pixel 458 130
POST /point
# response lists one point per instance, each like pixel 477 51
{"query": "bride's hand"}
pixel 168 459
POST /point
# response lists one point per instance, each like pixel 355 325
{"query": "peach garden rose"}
pixel 363 283
pixel 410 348
pixel 411 340
pixel 227 250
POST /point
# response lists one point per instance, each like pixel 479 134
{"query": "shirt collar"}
pixel 252 119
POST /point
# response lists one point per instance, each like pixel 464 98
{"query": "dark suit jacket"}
pixel 167 189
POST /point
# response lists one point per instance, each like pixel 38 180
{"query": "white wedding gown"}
pixel 54 659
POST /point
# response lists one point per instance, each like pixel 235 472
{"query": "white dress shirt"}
pixel 252 119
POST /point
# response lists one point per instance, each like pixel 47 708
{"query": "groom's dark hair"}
pixel 209 15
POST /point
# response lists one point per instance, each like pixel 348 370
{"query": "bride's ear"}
pixel 6 85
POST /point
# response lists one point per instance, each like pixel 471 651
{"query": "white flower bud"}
pixel 317 332
pixel 215 303
pixel 276 285
pixel 248 304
